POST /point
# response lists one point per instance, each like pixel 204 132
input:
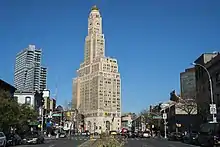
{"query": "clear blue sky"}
pixel 153 40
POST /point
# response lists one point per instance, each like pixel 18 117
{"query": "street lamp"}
pixel 213 106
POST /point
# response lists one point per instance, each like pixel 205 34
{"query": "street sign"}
pixel 157 117
pixel 164 116
pixel 57 114
pixel 213 109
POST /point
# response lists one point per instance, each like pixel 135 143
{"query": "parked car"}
pixel 175 136
pixel 13 139
pixel 146 134
pixel 33 138
pixel 191 138
pixel 3 141
pixel 209 134
pixel 113 132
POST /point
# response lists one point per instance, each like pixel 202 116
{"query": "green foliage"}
pixel 9 111
pixel 12 114
pixel 107 140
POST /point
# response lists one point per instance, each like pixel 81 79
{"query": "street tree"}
pixel 14 115
pixel 150 114
pixel 186 104
pixel 9 111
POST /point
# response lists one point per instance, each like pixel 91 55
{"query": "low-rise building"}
pixel 126 121
pixel 32 99
pixel 52 104
pixel 25 98
pixel 181 114
pixel 139 124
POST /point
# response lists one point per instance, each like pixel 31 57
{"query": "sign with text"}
pixel 164 116
pixel 213 109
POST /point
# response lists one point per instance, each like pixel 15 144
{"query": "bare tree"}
pixel 186 104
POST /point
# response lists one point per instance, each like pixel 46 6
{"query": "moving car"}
pixel 146 134
pixel 2 140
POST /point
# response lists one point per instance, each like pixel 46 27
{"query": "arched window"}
pixel 108 125
pixel 27 100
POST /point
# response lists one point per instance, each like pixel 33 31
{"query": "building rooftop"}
pixel 4 85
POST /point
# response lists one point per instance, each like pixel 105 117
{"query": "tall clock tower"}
pixel 97 88
pixel 95 41
pixel 94 22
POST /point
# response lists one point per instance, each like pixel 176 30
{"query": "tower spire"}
pixel 95 8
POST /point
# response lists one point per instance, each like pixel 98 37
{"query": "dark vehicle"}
pixel 13 139
pixel 209 134
pixel 134 134
pixel 191 138
pixel 33 138
pixel 175 136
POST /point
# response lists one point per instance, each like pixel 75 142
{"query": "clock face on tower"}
pixel 97 24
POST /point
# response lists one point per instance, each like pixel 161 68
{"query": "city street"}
pixel 130 142
pixel 151 142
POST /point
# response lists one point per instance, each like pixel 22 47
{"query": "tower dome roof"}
pixel 94 8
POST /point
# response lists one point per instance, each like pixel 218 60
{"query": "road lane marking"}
pixel 52 145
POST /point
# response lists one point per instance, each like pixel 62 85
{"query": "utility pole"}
pixel 42 112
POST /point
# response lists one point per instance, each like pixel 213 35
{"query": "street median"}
pixel 104 141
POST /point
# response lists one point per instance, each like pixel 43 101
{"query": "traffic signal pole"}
pixel 42 119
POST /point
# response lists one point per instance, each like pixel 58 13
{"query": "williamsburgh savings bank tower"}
pixel 97 87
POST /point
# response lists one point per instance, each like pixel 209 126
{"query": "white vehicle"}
pixel 146 134
pixel 2 140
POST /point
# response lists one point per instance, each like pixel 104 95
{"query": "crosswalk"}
pixel 87 138
pixel 133 139
pixel 80 138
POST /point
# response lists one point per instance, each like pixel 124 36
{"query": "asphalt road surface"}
pixel 130 142
pixel 151 142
